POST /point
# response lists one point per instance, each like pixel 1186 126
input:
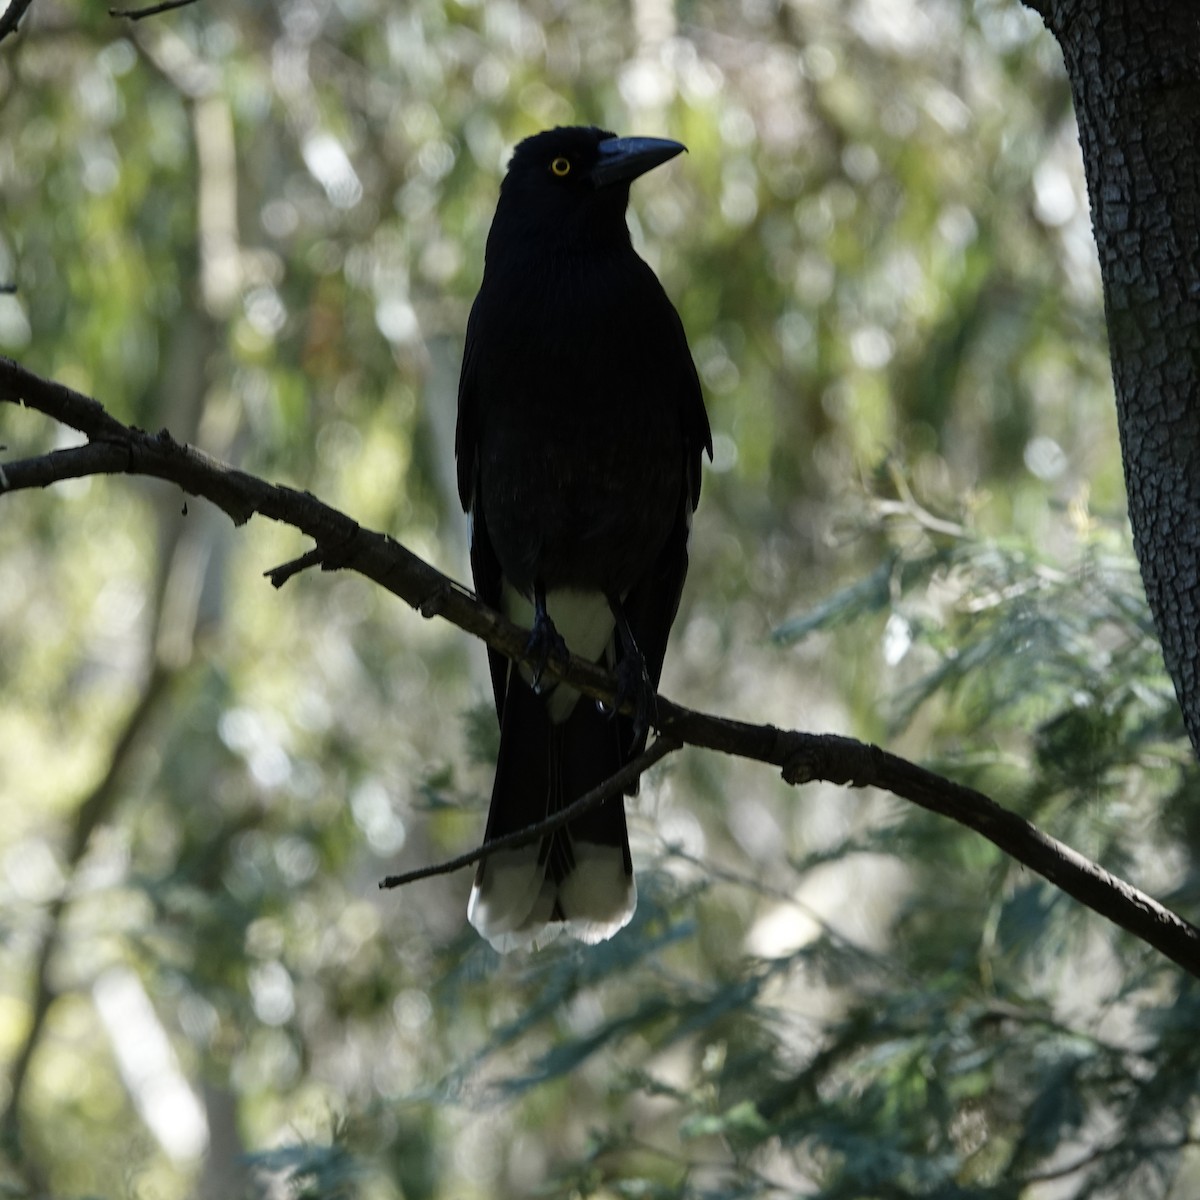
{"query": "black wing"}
pixel 652 604
pixel 485 567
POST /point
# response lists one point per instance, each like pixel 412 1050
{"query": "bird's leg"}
pixel 545 642
pixel 633 680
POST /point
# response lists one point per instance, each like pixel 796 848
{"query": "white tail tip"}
pixel 513 904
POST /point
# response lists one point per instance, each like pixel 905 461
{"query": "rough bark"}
pixel 1134 67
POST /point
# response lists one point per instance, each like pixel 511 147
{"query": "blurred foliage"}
pixel 261 226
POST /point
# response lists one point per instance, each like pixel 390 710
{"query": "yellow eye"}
pixel 561 166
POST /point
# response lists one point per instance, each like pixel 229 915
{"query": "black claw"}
pixel 634 685
pixel 545 643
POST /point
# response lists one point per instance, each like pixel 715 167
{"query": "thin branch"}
pixel 281 574
pixel 11 17
pixel 137 14
pixel 1070 1168
pixel 614 785
pixel 341 542
pixel 1101 1152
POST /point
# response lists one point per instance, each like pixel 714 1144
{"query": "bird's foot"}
pixel 634 687
pixel 545 646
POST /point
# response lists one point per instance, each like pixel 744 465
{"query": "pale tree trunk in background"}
pixel 1134 67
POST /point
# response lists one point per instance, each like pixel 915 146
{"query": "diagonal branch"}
pixel 343 544
pixel 11 17
pixel 153 10
pixel 614 785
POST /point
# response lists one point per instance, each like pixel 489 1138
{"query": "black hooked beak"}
pixel 623 159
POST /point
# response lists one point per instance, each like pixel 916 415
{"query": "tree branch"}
pixel 341 543
pixel 614 785
pixel 11 17
pixel 138 14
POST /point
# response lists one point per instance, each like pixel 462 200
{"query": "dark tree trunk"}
pixel 1134 67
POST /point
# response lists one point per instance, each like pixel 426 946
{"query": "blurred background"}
pixel 261 226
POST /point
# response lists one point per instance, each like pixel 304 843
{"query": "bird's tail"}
pixel 579 878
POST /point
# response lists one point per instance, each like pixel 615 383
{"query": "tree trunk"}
pixel 1134 67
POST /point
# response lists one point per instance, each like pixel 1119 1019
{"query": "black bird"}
pixel 580 432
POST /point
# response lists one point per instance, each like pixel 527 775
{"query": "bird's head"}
pixel 572 183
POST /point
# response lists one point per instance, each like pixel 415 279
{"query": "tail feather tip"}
pixel 515 904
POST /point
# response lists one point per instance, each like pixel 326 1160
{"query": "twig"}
pixel 281 574
pixel 1100 1152
pixel 137 14
pixel 614 785
pixel 11 17
pixel 802 757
